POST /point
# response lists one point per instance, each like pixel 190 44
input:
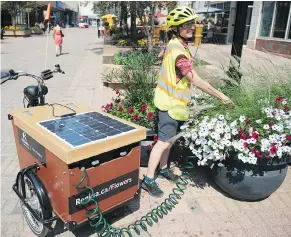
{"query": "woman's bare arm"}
pixel 203 85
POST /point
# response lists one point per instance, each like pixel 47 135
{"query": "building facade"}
pixel 270 28
pixel 87 14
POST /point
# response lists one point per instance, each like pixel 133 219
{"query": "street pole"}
pixel 238 38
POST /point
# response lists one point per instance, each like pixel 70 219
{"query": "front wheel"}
pixel 38 200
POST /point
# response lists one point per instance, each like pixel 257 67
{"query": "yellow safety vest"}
pixel 169 95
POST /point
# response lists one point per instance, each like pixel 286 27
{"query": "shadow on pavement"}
pixel 85 230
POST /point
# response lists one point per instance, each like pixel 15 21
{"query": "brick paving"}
pixel 203 211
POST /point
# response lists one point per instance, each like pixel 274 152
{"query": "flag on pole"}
pixel 48 12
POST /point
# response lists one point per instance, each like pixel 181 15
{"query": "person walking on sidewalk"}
pixel 58 38
pixel 173 94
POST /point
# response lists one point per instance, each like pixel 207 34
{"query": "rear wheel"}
pixel 37 199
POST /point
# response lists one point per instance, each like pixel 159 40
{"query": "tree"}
pixel 30 7
pixel 103 7
pixel 13 8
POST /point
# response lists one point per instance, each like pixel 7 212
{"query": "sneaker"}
pixel 169 175
pixel 153 188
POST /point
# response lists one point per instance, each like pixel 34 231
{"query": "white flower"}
pixel 284 102
pixel 221 117
pixel 234 132
pixel 233 124
pixel 266 126
pixel 198 142
pixel 279 153
pixel 194 136
pixel 259 121
pixel 242 118
pixel 278 117
pixel 227 136
pixel 228 143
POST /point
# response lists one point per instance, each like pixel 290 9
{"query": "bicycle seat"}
pixel 31 91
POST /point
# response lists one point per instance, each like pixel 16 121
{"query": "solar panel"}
pixel 85 128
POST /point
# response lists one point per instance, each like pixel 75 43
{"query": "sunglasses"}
pixel 188 25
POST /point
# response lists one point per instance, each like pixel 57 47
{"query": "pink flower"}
pixel 156 138
pixel 136 117
pixel 130 110
pixel 240 131
pixel 255 135
pixel 259 154
pixel 150 115
pixel 117 101
pixel 120 108
pixel 149 147
pixel 248 122
pixel 143 108
pixel 254 150
pixel 246 145
pixel 117 92
pixel 288 138
pixel 273 150
pixel 243 137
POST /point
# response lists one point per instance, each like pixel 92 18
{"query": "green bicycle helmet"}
pixel 180 15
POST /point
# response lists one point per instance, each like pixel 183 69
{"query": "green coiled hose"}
pixel 104 229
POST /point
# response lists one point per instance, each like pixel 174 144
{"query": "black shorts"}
pixel 167 126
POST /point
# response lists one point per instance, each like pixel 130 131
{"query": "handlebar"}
pixel 45 75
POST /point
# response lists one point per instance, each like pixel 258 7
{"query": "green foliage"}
pixel 136 58
pixel 141 114
pixel 247 99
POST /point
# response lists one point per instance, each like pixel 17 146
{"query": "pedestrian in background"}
pixel 41 26
pixel 58 38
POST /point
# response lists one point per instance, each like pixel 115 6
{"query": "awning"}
pixel 208 10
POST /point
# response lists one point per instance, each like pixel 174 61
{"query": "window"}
pixel 268 11
pixel 276 20
pixel 281 19
pixel 227 6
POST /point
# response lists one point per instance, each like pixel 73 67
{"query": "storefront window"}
pixel 268 10
pixel 280 25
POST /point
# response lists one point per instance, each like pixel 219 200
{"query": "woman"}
pixel 58 38
pixel 173 94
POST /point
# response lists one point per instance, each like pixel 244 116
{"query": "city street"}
pixel 204 210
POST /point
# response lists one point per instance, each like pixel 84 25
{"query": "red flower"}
pixel 271 124
pixel 255 135
pixel 287 107
pixel 288 138
pixel 259 154
pixel 273 150
pixel 246 145
pixel 149 147
pixel 254 150
pixel 126 85
pixel 135 117
pixel 117 101
pixel 120 108
pixel 143 108
pixel 156 138
pixel 150 115
pixel 248 122
pixel 240 131
pixel 130 110
pixel 243 137
pixel 278 99
pixel 117 92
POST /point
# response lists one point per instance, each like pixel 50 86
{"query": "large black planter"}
pixel 249 182
pixel 145 150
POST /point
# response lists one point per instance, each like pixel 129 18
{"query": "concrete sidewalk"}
pixel 204 210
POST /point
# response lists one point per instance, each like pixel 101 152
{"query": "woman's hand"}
pixel 227 101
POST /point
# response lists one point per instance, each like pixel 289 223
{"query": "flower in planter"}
pixel 130 110
pixel 136 117
pixel 120 108
pixel 212 138
pixel 143 108
pixel 150 115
